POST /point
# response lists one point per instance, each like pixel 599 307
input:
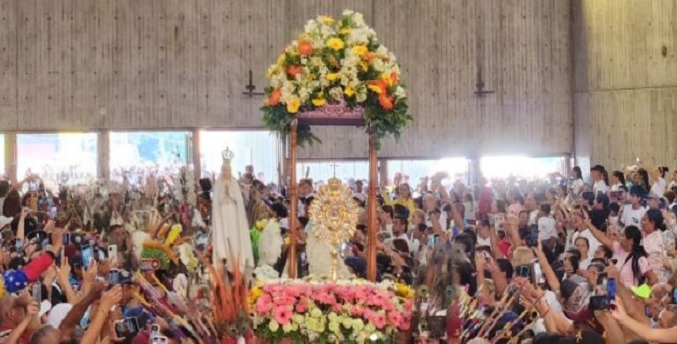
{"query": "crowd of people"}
pixel 559 259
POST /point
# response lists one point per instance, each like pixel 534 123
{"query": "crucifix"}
pixel 334 165
pixel 250 88
pixel 479 87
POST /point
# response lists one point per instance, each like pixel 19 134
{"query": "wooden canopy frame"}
pixel 338 115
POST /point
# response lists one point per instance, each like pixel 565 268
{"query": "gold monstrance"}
pixel 334 215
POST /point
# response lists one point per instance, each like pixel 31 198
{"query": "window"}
pixel 257 148
pixel 321 171
pixel 61 158
pixel 414 170
pixel 137 152
pixel 499 167
pixel 2 155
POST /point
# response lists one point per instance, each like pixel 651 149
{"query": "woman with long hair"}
pixel 617 180
pixel 641 178
pixel 633 263
pixel 659 185
pixel 654 242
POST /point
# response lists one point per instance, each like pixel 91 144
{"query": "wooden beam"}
pixel 371 205
pixel 294 201
pixel 196 157
pixel 10 156
pixel 103 155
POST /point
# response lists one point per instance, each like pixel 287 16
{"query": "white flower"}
pixel 400 92
pixel 358 19
pixel 336 93
pixel 310 26
pixel 378 65
pixel 347 13
pixel 381 51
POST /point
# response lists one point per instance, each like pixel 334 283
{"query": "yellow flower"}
pixel 332 76
pixel 349 91
pixel 319 101
pixel 254 294
pixel 261 224
pixel 344 31
pixel 316 313
pixel 280 60
pixel 335 43
pixel 374 88
pixel 326 20
pixel 293 105
pixel 364 66
pixel 360 50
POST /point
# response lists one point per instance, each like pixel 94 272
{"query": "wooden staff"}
pixel 294 199
pixel 506 330
pixel 371 205
pixel 493 322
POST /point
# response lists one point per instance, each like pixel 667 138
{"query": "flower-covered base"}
pixel 333 114
pixel 347 311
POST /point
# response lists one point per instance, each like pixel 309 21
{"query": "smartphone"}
pixel 36 292
pixel 599 303
pixel 523 271
pixel 611 290
pixel 127 327
pixel 533 236
pixel 18 243
pixel 674 296
pixel 101 254
pixel 431 241
pixel 66 239
pixel 155 330
pixel 539 278
pixel 114 277
pixel 159 340
pixel 87 255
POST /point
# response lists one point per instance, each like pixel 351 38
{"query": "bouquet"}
pixel 336 62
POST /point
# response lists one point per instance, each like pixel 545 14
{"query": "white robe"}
pixel 230 224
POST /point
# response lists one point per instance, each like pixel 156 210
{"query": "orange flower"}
pixel 293 71
pixel 274 97
pixel 377 86
pixel 394 78
pixel 385 101
pixel 305 48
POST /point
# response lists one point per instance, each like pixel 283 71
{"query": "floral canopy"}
pixel 336 62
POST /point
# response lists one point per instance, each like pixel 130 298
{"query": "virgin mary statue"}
pixel 229 219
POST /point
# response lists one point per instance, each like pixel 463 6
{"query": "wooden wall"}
pixel 123 64
pixel 626 81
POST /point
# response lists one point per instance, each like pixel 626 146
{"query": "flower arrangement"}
pixel 336 62
pixel 348 311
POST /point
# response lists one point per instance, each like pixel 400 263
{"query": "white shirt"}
pixel 585 263
pixel 577 186
pixel 600 186
pixel 389 242
pixel 632 217
pixel 361 196
pixel 616 187
pixel 532 217
pixel 658 188
pixel 443 221
pixel 483 241
pixel 592 241
pixel 546 228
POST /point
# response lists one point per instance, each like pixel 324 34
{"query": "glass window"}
pixel 2 155
pixel 133 153
pixel 412 171
pixel 321 171
pixel 257 148
pixel 500 167
pixel 62 158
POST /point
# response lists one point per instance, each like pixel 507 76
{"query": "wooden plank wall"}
pixel 123 64
pixel 626 81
